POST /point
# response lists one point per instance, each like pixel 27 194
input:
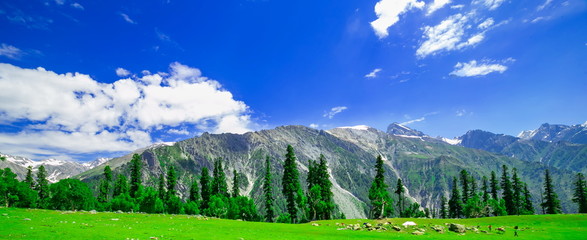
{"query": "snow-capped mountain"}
pixel 557 132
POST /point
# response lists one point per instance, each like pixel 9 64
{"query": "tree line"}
pixel 207 195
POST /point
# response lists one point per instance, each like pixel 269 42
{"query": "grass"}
pixel 46 224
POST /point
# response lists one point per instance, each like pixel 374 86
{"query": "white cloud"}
pixel 60 2
pixel 490 4
pixel 121 72
pixel 72 113
pixel 459 6
pixel 179 131
pixel 461 112
pixel 448 35
pixel 472 68
pixel 388 12
pixel 313 125
pixel 77 5
pixel 334 111
pixel 127 18
pixel 10 51
pixel 486 24
pixel 413 121
pixel 437 4
pixel 373 74
pixel 544 5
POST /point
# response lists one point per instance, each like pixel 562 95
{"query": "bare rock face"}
pixel 458 228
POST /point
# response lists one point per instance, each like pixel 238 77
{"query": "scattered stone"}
pixel 396 228
pixel 458 228
pixel 4 214
pixel 367 225
pixel 417 233
pixel 93 212
pixel 27 219
pixel 315 224
pixel 483 231
pixel 387 223
pixel 115 219
pixel 409 223
pixel 421 229
pixel 154 238
pixel 119 211
pixel 438 228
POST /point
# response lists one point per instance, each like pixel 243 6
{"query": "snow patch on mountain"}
pixel 454 141
pixel 358 127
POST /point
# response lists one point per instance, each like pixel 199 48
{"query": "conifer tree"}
pixel 29 178
pixel 121 186
pixel 135 175
pixel 518 190
pixel 485 190
pixel 205 188
pixel 465 185
pixel 472 186
pixel 235 184
pixel 291 184
pixel 399 190
pixel 161 193
pixel 494 185
pixel 455 203
pixel 381 203
pixel 328 204
pixel 508 195
pixel 43 187
pixel 268 191
pixel 171 182
pixel 580 193
pixel 527 204
pixel 443 210
pixel 194 191
pixel 219 186
pixel 551 203
pixel 105 183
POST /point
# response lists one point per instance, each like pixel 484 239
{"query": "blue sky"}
pixel 81 79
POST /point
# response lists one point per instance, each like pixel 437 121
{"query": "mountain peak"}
pixel 398 129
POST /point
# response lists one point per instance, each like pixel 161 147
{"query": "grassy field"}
pixel 45 224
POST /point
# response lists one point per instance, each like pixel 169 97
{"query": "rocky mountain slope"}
pixel 557 133
pixel 425 165
pixel 56 169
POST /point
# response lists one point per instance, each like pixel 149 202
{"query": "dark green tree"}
pixel 219 185
pixel 551 203
pixel 472 186
pixel 443 210
pixel 465 179
pixel 150 201
pixel 14 193
pixel 327 203
pixel 161 192
pixel 121 186
pixel 135 175
pixel 268 192
pixel 508 194
pixel 235 184
pixel 194 192
pixel 381 203
pixel 71 194
pixel 518 192
pixel 171 182
pixel 400 190
pixel 29 178
pixel 455 203
pixel 104 189
pixel 485 190
pixel 43 187
pixel 291 184
pixel 205 188
pixel 528 207
pixel 580 193
pixel 494 185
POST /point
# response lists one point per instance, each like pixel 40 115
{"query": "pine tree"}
pixel 268 191
pixel 328 204
pixel 472 186
pixel 194 192
pixel 314 195
pixel 443 210
pixel 508 195
pixel 121 186
pixel 485 190
pixel 551 202
pixel 205 189
pixel 135 175
pixel 527 204
pixel 219 186
pixel 161 193
pixel 494 185
pixel 399 190
pixel 465 184
pixel 171 182
pixel 580 193
pixel 455 203
pixel 105 183
pixel 43 187
pixel 381 203
pixel 235 184
pixel 518 190
pixel 291 183
pixel 29 178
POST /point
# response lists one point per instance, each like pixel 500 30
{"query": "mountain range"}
pixel 425 164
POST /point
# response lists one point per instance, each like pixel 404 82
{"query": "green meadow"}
pixel 47 224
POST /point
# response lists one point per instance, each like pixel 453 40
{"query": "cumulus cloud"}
pixel 437 4
pixel 10 51
pixel 472 69
pixel 373 74
pixel 121 72
pixel 127 18
pixel 388 12
pixel 453 33
pixel 73 114
pixel 313 125
pixel 179 131
pixel 333 111
pixel 490 4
